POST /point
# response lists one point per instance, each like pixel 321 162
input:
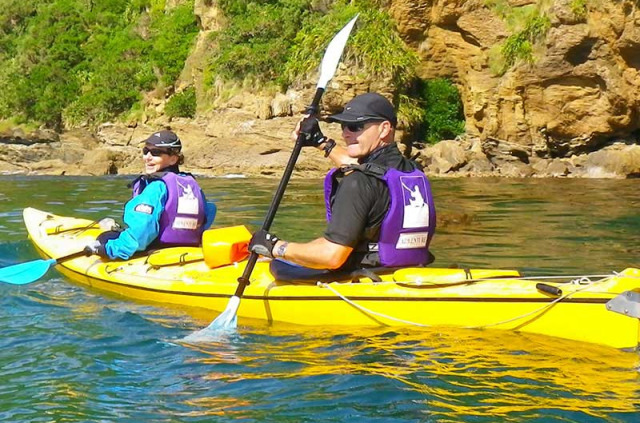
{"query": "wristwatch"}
pixel 328 146
pixel 282 249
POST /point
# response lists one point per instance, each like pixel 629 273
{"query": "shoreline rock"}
pixel 235 142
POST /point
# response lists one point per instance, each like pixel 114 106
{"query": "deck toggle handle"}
pixel 548 289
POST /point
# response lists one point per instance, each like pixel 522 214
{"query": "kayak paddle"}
pixel 31 271
pixel 228 318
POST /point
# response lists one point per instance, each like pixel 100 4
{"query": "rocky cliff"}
pixel 579 94
pixel 569 108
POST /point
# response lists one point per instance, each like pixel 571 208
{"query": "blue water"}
pixel 70 354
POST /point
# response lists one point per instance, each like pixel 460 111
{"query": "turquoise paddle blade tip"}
pixel 24 273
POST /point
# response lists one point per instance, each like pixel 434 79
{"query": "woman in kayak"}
pixel 380 210
pixel 167 208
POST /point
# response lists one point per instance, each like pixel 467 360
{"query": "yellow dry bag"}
pixel 222 246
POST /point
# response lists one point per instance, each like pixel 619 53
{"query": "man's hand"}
pixel 310 132
pixel 262 242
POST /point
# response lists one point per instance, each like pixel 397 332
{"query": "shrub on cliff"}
pixel 256 41
pixel 442 116
pixel 182 104
pixel 528 24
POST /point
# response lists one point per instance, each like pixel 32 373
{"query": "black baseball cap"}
pixel 367 107
pixel 164 139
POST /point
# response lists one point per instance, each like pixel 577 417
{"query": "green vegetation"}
pixel 529 24
pixel 76 62
pixel 579 8
pixel 442 116
pixel 256 42
pixel 182 104
pixel 374 48
pixel 86 61
pixel 519 46
pixel 282 41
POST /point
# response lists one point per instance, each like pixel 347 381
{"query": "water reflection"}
pixel 457 373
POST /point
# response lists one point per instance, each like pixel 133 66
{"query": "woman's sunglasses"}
pixel 154 151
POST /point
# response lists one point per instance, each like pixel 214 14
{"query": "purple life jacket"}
pixel 183 217
pixel 410 222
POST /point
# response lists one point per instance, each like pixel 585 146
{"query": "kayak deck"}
pixel 475 298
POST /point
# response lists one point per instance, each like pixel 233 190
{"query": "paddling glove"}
pixel 262 242
pixel 95 247
pixel 310 132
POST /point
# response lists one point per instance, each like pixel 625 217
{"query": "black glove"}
pixel 95 247
pixel 108 236
pixel 310 132
pixel 262 242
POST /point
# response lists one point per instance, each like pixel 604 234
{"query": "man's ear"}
pixel 384 130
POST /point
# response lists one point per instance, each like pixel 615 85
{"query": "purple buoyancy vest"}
pixel 183 217
pixel 410 222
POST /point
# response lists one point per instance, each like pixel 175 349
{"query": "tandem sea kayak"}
pixel 604 310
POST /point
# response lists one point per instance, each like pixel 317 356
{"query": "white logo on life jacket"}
pixel 187 201
pixel 185 223
pixel 143 208
pixel 416 209
pixel 412 240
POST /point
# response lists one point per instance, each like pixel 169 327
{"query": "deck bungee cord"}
pixel 583 280
pixel 106 223
pixel 513 278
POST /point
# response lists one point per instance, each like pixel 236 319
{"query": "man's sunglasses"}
pixel 154 151
pixel 352 127
pixel 356 127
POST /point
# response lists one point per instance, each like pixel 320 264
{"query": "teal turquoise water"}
pixel 70 354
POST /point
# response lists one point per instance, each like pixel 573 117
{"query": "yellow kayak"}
pixel 602 311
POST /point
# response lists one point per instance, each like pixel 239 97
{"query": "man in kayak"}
pixel 167 208
pixel 380 209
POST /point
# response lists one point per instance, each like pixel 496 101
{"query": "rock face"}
pixel 581 92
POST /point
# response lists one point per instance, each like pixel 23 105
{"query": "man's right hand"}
pixel 310 132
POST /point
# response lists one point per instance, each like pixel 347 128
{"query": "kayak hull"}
pixel 482 298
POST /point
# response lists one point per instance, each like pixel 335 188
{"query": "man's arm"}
pixel 317 254
pixel 338 155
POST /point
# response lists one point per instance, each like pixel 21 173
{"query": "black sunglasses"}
pixel 352 127
pixel 154 151
pixel 357 127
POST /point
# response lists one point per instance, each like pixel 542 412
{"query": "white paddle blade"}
pixel 333 53
pixel 226 321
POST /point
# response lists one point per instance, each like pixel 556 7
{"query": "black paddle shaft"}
pixel 71 256
pixel 275 203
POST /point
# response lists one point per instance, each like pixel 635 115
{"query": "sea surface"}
pixel 71 354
